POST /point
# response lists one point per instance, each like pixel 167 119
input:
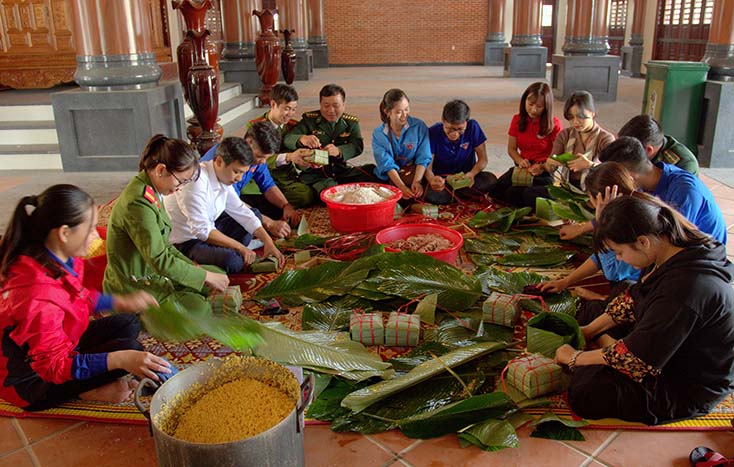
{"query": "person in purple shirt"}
pixel 264 139
pixel 458 145
pixel 677 187
pixel 400 145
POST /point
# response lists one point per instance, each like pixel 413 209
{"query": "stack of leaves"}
pixel 402 329
pixel 501 219
pixel 548 331
pixel 535 375
pixel 367 328
pixel 569 204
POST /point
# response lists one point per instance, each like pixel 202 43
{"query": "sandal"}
pixel 705 457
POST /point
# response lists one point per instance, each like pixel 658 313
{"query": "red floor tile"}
pixel 9 440
pixel 97 445
pixel 324 448
pixel 594 439
pixel 17 459
pixel 639 448
pixel 446 452
pixel 38 428
pixel 393 440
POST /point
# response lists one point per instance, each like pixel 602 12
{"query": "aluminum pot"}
pixel 281 445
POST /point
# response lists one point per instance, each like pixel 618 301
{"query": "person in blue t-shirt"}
pixel 682 190
pixel 264 139
pixel 400 145
pixel 458 145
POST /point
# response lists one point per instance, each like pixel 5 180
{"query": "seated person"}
pixel 458 145
pixel 211 224
pixel 51 350
pixel 139 254
pixel 334 131
pixel 680 189
pixel 658 146
pixel 677 360
pixel 264 140
pixel 529 143
pixel 400 145
pixel 283 165
pixel 585 139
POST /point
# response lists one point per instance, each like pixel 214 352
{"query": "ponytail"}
pixel 35 216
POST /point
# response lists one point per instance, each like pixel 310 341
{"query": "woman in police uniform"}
pixel 139 255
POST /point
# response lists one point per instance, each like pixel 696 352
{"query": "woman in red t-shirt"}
pixel 529 144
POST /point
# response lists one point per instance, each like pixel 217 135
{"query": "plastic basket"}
pixel 347 217
pixel 401 232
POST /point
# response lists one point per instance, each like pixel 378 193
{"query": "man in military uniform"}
pixel 334 131
pixel 283 166
pixel 659 147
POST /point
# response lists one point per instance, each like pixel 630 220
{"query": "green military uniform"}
pixel 345 135
pixel 298 194
pixel 676 153
pixel 139 255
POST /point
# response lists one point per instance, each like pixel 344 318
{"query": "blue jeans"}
pixel 226 258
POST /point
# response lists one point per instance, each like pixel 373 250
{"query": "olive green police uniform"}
pixel 345 135
pixel 676 153
pixel 297 193
pixel 139 255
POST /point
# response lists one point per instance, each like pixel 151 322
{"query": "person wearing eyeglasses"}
pixel 139 253
pixel 458 146
pixel 211 224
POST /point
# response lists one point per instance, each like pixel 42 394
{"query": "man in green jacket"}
pixel 334 131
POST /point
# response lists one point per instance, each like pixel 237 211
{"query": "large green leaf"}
pixel 325 317
pixel 494 279
pixel 456 416
pixel 563 194
pixel 315 284
pixel 490 435
pixel 502 218
pixel 571 210
pixel 491 244
pixel 548 331
pixel 363 398
pixel 537 257
pixel 551 426
pixel 354 362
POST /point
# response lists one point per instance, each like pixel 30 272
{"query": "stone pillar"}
pixel 290 16
pixel 527 57
pixel 720 48
pixel 317 33
pixel 585 64
pixel 494 45
pixel 240 32
pixel 106 123
pixel 632 53
pixel 717 149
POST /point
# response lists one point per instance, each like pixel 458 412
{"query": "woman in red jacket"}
pixel 50 350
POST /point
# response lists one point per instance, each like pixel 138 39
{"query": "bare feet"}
pixel 114 392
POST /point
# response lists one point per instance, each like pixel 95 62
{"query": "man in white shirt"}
pixel 210 224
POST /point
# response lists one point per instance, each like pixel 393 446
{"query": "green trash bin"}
pixel 674 97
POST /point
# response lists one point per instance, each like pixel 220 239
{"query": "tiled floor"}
pixel 30 442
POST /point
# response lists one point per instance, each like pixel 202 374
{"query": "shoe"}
pixel 705 457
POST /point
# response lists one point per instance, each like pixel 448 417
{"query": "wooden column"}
pixel 114 47
pixel 720 47
pixel 496 21
pixel 638 23
pixel 526 23
pixel 316 26
pixel 290 15
pixel 587 27
pixel 239 29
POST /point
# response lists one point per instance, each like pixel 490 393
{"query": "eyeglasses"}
pixel 449 130
pixel 179 181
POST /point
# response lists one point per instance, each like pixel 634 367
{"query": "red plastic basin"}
pixel 347 217
pixel 401 232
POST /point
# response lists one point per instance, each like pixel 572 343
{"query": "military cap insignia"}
pixel 351 118
pixel 150 196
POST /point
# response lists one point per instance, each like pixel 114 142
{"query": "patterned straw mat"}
pixel 190 352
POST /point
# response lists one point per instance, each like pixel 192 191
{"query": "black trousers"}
pixel 117 332
pixel 520 196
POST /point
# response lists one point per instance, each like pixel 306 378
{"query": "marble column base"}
pixel 320 56
pixel 107 130
pixel 717 148
pixel 304 64
pixel 525 62
pixel 598 74
pixel 243 72
pixel 494 53
pixel 632 61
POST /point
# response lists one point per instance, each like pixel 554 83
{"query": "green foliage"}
pixel 325 317
pixel 501 219
pixel 551 426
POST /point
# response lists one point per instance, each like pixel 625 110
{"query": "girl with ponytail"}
pixel 677 359
pixel 139 254
pixel 51 351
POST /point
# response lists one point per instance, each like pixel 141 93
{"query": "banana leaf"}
pixel 363 398
pixel 491 244
pixel 426 308
pixel 537 257
pixel 551 426
pixel 571 211
pixel 494 279
pixel 325 317
pixel 419 354
pixel 502 218
pixel 456 331
pixel 285 346
pixel 307 240
pixel 563 194
pixel 303 227
pixel 296 287
pixel 456 416
pixel 548 331
pixel 490 435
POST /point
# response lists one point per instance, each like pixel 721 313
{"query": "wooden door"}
pixel 617 25
pixel 682 29
pixel 548 27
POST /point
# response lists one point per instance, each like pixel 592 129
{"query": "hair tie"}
pixel 31 204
